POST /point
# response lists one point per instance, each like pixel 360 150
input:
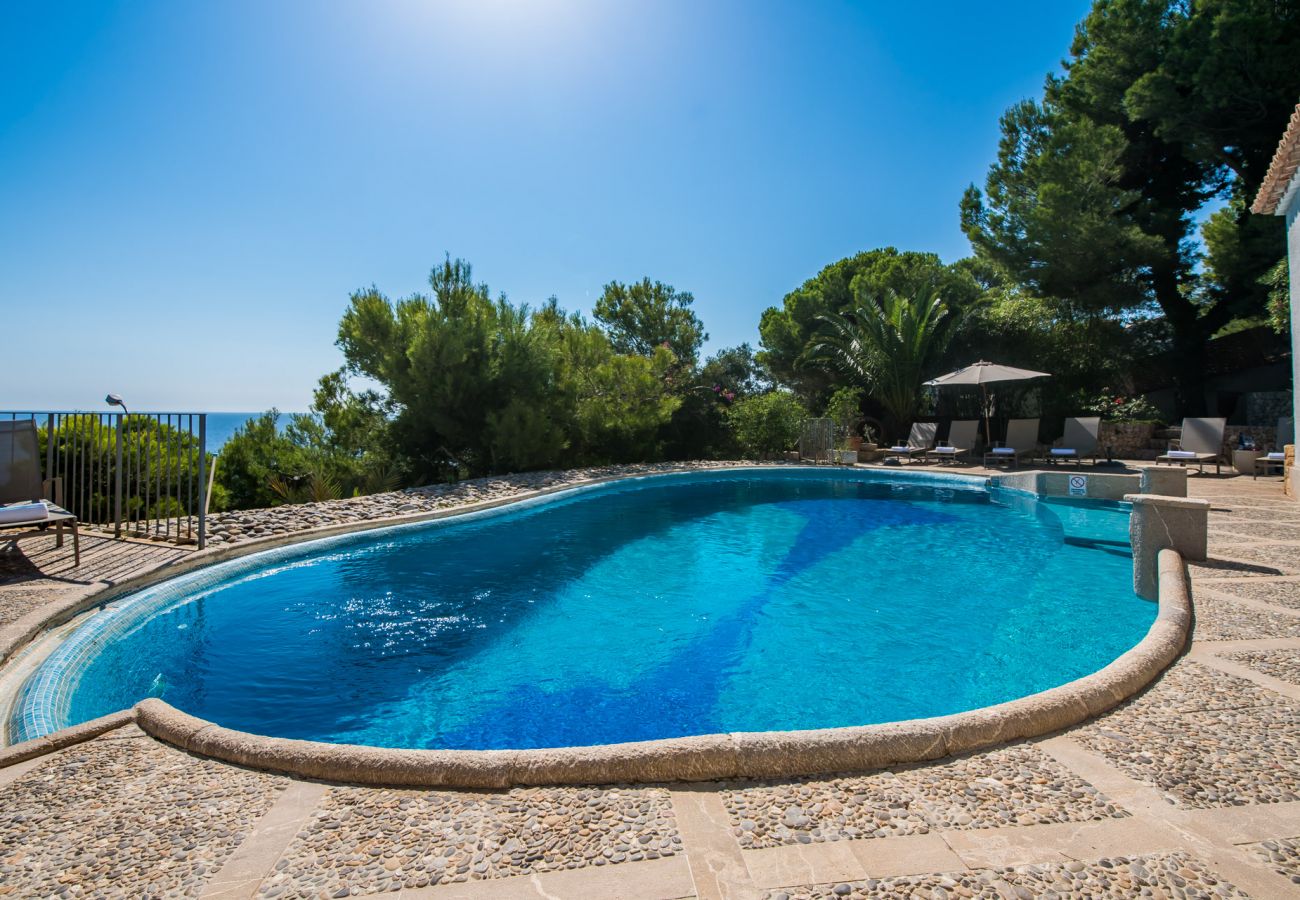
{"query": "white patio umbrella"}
pixel 985 373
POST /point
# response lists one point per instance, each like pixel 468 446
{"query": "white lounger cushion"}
pixel 23 512
pixel 1003 451
pixel 1278 456
pixel 900 449
pixel 1182 454
pixel 1063 451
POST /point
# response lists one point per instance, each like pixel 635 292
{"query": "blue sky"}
pixel 190 191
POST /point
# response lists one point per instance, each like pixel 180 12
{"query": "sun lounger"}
pixel 22 492
pixel 961 440
pixel 919 440
pixel 1201 442
pixel 1021 442
pixel 1272 463
pixel 1079 441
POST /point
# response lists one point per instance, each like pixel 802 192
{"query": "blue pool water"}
pixel 740 601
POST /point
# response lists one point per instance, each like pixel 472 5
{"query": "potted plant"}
pixel 845 409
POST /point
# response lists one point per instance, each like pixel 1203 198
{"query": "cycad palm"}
pixel 888 347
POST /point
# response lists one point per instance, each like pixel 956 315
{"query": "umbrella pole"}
pixel 988 428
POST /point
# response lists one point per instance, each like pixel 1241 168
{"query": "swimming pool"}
pixel 744 600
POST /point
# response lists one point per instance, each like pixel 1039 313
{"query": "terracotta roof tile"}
pixel 1285 162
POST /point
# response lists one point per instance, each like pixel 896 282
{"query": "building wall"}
pixel 1292 208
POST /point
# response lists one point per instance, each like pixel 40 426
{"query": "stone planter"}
pixel 1244 461
pixel 846 457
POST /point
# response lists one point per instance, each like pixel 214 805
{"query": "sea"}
pixel 223 425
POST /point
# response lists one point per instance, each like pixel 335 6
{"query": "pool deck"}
pixel 1190 789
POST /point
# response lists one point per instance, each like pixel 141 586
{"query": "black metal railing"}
pixel 141 475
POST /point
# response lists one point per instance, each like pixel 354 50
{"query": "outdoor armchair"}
pixel 1021 442
pixel 1080 440
pixel 919 440
pixel 1201 442
pixel 961 440
pixel 23 503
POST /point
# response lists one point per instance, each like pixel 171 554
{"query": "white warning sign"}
pixel 1078 485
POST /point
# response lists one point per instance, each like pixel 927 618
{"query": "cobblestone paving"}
pixel 245 525
pixel 1262 530
pixel 1282 855
pixel 1217 567
pixel 1188 686
pixel 1011 786
pixel 1280 592
pixel 1219 619
pixel 364 840
pixel 17 601
pixel 1155 875
pixel 1228 757
pixel 1283 664
pixel 771 814
pixel 125 816
pixel 1285 558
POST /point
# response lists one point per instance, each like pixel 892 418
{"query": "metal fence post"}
pixel 49 454
pixel 203 482
pixel 117 480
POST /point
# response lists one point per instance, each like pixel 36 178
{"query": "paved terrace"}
pixel 1191 789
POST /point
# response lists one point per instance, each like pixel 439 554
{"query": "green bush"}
pixel 768 424
pixel 1119 408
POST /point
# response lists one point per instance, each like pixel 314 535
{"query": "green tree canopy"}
pixel 1095 194
pixel 888 347
pixel 644 315
pixel 473 384
pixel 841 288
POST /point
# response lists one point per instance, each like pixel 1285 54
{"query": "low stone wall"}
pixel 1127 440
pixel 1160 523
pixel 1167 480
pixel 238 526
pixel 1264 437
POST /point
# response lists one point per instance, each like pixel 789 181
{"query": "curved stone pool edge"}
pixel 704 758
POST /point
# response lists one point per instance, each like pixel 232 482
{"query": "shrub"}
pixel 767 424
pixel 1120 408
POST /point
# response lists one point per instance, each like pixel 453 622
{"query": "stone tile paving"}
pixel 125 816
pixel 1219 619
pixel 1282 855
pixel 1283 664
pixel 1282 593
pixel 1017 785
pixel 1227 757
pixel 362 840
pixel 1154 875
